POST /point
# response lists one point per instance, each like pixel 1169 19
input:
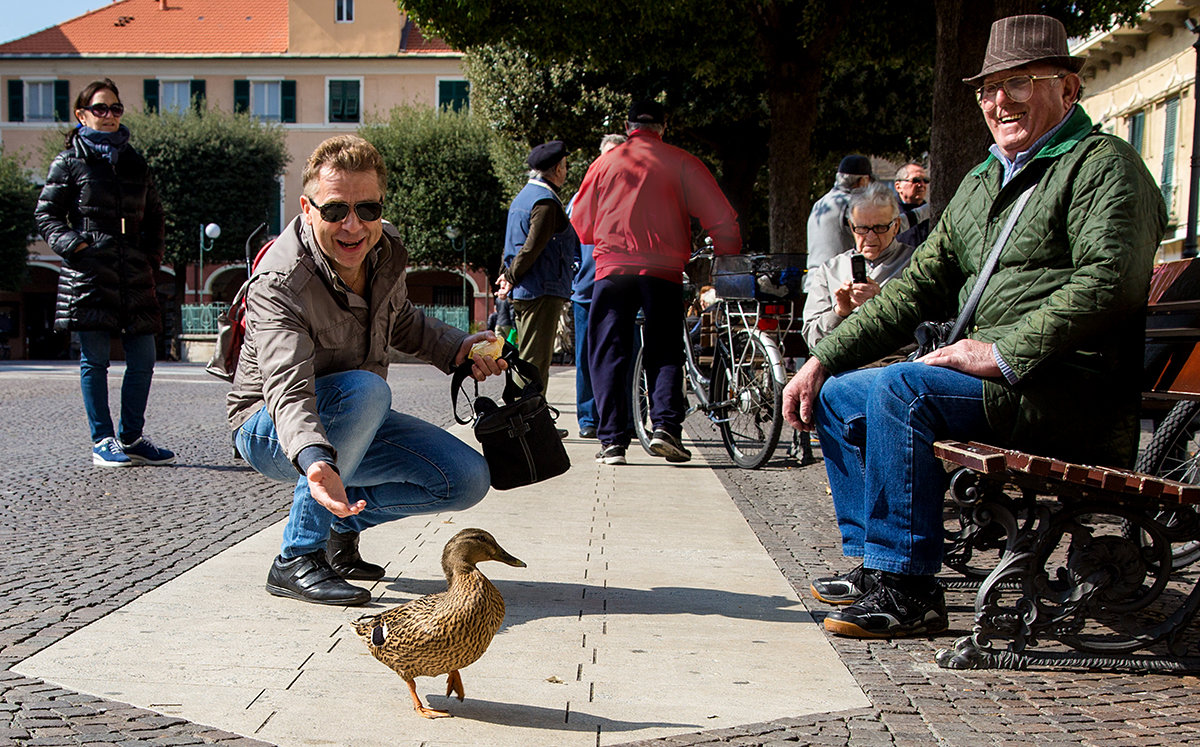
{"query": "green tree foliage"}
pixel 211 167
pixel 440 174
pixel 18 197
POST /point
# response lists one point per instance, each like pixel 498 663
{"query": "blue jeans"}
pixel 585 401
pixel 135 385
pixel 877 427
pixel 400 465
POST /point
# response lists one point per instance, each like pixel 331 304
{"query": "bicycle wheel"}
pixel 747 396
pixel 1174 453
pixel 641 404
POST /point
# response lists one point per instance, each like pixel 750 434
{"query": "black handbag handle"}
pixel 512 391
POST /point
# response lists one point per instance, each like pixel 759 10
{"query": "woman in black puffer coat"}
pixel 100 212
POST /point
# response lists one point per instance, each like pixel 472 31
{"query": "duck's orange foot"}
pixel 428 712
pixel 454 684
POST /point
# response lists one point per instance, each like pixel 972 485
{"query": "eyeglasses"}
pixel 879 229
pixel 1018 88
pixel 336 212
pixel 916 180
pixel 103 110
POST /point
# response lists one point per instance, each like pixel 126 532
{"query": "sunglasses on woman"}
pixel 103 110
pixel 336 212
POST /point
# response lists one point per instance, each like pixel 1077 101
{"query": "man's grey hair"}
pixel 877 194
pixel 635 126
pixel 848 182
pixel 902 174
pixel 612 139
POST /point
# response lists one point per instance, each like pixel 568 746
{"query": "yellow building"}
pixel 1139 84
pixel 318 67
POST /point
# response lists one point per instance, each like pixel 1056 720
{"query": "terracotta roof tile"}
pixel 413 41
pixel 183 27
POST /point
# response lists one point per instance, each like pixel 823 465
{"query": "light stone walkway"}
pixel 648 608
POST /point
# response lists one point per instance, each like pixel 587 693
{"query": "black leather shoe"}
pixel 562 432
pixel 310 579
pixel 342 553
pixel 587 431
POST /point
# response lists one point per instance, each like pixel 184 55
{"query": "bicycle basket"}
pixel 759 277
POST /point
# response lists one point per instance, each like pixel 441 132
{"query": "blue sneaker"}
pixel 108 453
pixel 142 451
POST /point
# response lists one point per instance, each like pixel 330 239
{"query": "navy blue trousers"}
pixel 612 329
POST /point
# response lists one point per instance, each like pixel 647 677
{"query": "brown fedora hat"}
pixel 1020 40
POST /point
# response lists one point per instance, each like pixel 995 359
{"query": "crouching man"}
pixel 310 401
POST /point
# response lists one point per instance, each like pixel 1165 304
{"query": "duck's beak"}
pixel 507 559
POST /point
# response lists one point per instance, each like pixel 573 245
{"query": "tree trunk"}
pixel 793 103
pixel 959 138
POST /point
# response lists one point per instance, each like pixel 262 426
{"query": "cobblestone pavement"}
pixel 77 542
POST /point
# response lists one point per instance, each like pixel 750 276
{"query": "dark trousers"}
pixel 612 328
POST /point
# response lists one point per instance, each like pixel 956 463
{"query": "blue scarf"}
pixel 106 144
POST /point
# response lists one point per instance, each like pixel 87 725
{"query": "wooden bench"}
pixel 1082 574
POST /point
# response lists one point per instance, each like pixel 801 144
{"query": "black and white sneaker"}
pixel 611 454
pixel 663 444
pixel 888 612
pixel 846 588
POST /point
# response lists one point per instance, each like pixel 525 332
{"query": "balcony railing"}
pixel 200 319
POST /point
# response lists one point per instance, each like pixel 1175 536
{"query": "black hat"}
pixel 547 155
pixel 1022 40
pixel 855 166
pixel 647 112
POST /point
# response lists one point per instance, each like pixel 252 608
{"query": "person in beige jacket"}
pixel 310 402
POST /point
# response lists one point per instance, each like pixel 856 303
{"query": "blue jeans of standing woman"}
pixel 135 385
pixel 400 465
pixel 877 427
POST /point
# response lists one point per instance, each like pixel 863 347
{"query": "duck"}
pixel 442 633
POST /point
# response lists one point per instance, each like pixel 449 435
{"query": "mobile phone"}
pixel 858 268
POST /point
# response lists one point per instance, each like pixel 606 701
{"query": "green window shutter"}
pixel 241 96
pixel 1168 164
pixel 336 101
pixel 343 101
pixel 16 101
pixel 62 100
pixel 150 94
pixel 287 101
pixel 352 98
pixel 274 213
pixel 453 94
pixel 1137 128
pixel 199 94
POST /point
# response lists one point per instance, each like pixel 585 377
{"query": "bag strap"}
pixel 524 370
pixel 989 266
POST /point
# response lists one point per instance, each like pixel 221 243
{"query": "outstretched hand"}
pixel 325 485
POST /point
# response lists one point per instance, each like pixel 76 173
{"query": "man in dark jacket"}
pixel 310 403
pixel 539 253
pixel 1053 359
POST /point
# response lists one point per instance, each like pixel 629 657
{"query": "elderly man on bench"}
pixel 1052 354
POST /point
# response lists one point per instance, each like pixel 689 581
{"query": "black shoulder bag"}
pixel 519 439
pixel 933 335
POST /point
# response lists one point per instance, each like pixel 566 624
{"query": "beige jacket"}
pixel 299 325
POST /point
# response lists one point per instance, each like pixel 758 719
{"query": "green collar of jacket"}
pixel 1078 125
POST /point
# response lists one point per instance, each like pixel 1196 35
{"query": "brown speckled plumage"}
pixel 442 633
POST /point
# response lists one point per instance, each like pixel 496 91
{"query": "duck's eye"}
pixel 378 635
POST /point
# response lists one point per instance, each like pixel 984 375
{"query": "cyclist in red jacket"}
pixel 635 205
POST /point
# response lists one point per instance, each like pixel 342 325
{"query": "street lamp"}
pixel 453 234
pixel 211 232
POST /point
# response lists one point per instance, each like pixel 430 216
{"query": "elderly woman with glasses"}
pixel 833 291
pixel 100 212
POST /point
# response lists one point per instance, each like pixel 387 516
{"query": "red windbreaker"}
pixel 635 206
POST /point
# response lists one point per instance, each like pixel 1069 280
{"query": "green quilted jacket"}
pixel 1065 307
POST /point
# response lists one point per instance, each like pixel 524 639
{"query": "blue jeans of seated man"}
pixel 877 427
pixel 400 465
pixel 135 384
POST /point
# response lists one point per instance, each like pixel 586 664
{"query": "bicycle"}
pixel 742 393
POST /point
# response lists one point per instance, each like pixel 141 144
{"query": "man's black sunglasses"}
pixel 335 212
pixel 103 110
